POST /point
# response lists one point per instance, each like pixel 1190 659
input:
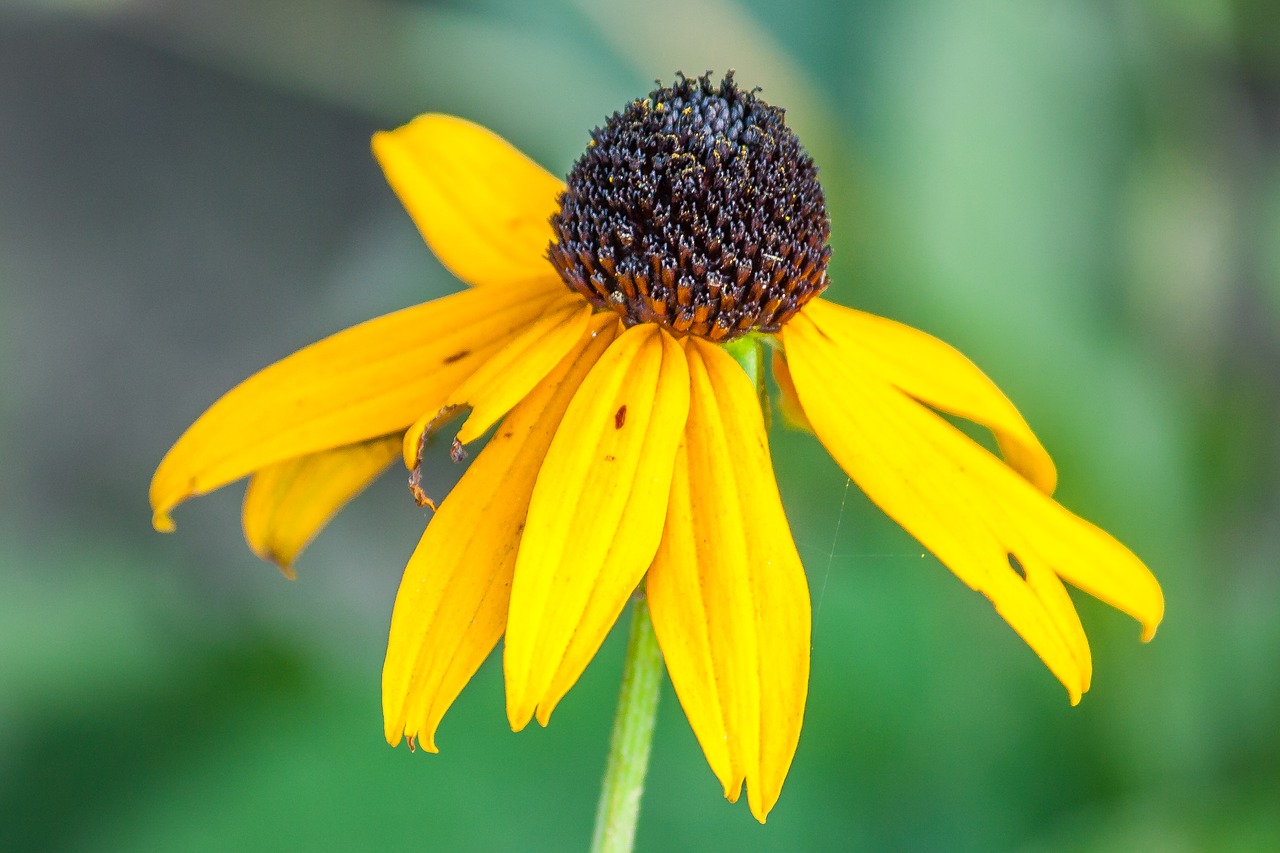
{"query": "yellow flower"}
pixel 629 448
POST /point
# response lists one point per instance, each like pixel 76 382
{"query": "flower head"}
pixel 628 449
pixel 695 209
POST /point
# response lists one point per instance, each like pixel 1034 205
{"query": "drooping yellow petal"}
pixel 788 403
pixel 452 604
pixel 508 375
pixel 595 518
pixel 482 206
pixel 993 528
pixel 677 586
pixel 934 372
pixel 728 594
pixel 368 381
pixel 288 503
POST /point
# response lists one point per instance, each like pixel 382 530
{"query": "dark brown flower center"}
pixel 695 208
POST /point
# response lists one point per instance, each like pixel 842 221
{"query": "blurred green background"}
pixel 1083 196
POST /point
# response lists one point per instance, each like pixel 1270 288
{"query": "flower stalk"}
pixel 632 737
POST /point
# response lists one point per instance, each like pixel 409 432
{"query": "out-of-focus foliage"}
pixel 1085 197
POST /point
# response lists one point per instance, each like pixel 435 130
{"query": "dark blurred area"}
pixel 1083 197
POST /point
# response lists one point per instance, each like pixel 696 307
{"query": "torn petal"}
pixel 452 604
pixel 365 382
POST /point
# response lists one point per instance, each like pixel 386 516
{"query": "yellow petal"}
pixel 452 604
pixel 508 375
pixel 482 206
pixel 676 586
pixel 288 503
pixel 595 518
pixel 993 528
pixel 788 403
pixel 727 591
pixel 934 372
pixel 515 369
pixel 368 381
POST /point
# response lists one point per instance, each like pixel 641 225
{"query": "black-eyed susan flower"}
pixel 628 450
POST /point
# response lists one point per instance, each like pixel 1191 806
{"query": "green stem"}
pixel 632 737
